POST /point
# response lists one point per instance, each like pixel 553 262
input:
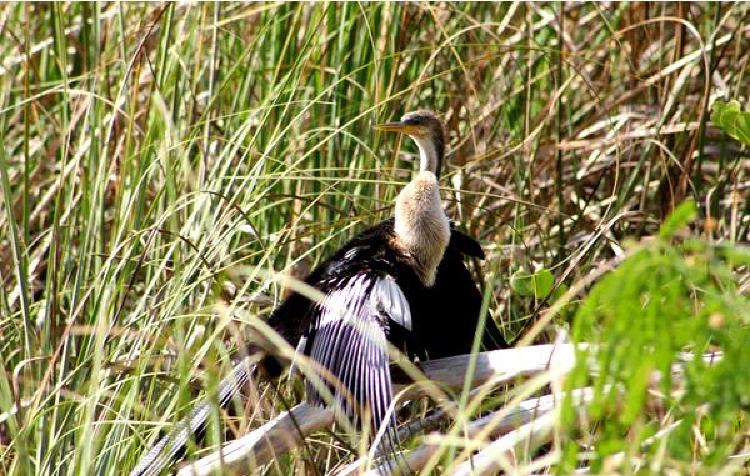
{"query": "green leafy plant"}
pixel 730 117
pixel 653 406
pixel 538 284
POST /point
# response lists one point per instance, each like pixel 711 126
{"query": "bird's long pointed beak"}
pixel 390 126
pixel 397 127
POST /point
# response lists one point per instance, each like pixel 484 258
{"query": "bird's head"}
pixel 427 130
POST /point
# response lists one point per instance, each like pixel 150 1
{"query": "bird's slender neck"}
pixel 430 155
pixel 421 226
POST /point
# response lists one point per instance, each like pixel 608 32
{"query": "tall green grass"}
pixel 162 163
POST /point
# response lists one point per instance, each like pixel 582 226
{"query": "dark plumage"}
pixel 453 305
pixel 443 317
pixel 382 294
pixel 378 287
pixel 369 259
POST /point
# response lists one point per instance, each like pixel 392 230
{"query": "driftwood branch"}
pixel 529 420
pixel 280 435
pixel 499 365
pixel 261 445
pixel 503 421
pixel 490 459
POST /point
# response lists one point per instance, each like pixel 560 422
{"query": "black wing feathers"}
pixel 349 340
pixel 465 244
pixel 448 323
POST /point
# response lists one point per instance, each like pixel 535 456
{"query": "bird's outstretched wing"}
pixel 348 339
pixel 454 302
pixel 464 244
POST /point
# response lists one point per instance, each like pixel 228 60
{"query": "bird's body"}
pixel 443 320
pixel 374 288
pixel 402 281
pixel 370 253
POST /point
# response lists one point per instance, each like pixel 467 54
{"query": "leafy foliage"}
pixel 666 298
pixel 732 120
pixel 538 284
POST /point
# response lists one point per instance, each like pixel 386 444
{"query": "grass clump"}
pixel 163 166
pixel 654 406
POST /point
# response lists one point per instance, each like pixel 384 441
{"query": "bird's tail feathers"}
pixel 168 447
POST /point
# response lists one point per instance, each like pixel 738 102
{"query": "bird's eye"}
pixel 412 121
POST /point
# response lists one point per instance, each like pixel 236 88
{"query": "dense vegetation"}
pixel 164 167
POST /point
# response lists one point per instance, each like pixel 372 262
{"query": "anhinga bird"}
pixel 402 281
pixel 448 325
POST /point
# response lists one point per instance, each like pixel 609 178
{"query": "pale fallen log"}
pixel 244 455
pixel 490 459
pixel 505 420
pixel 496 423
pixel 499 365
pixel 533 433
pixel 415 459
pixel 281 434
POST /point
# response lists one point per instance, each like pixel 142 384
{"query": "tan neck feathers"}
pixel 421 225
